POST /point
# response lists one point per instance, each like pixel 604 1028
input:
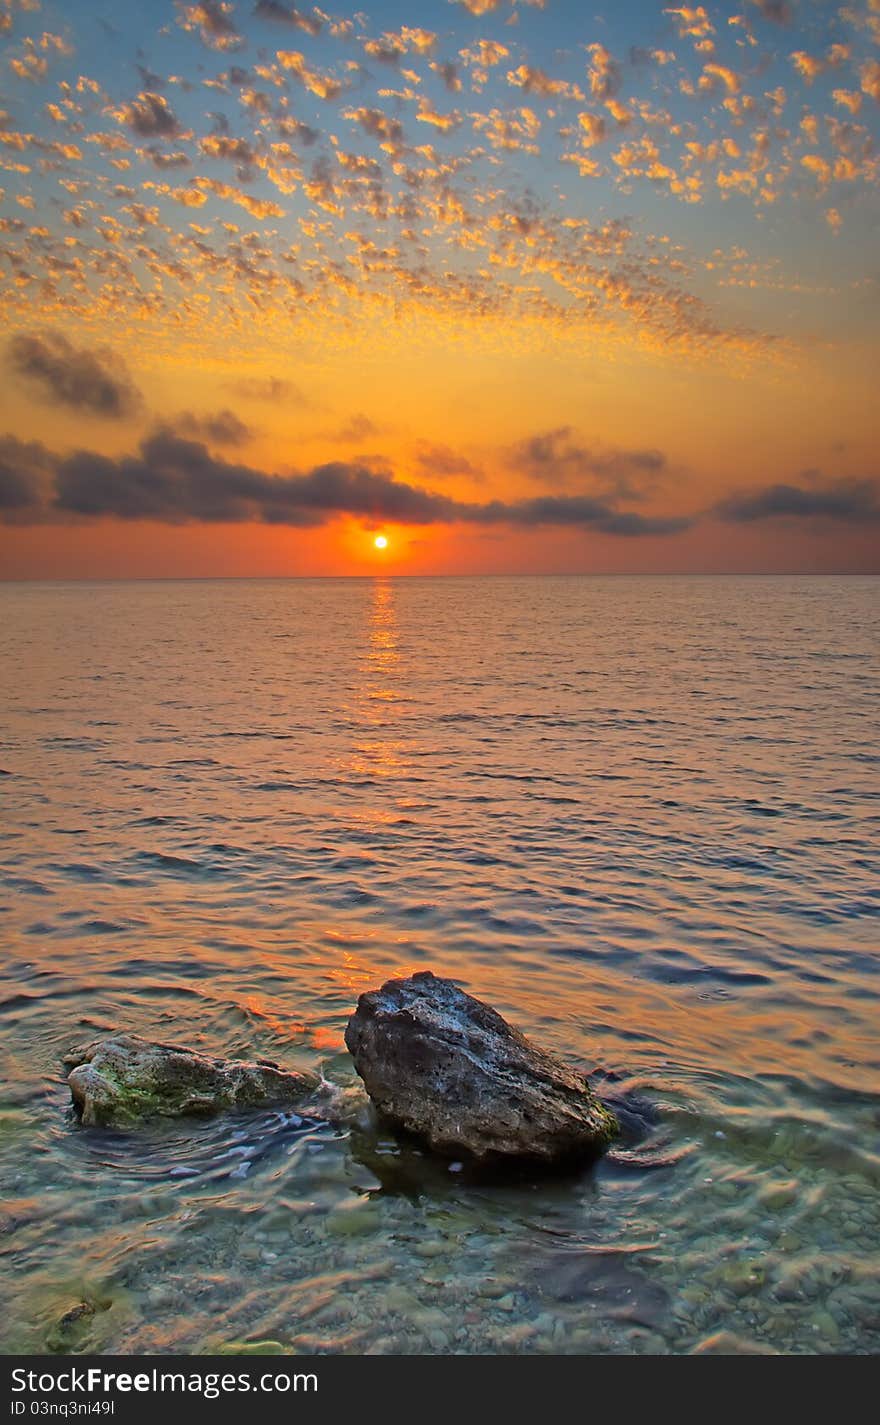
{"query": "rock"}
pixel 122 1081
pixel 742 1277
pixel 351 1221
pixel 727 1343
pixel 606 1280
pixel 448 1069
pixel 824 1323
pixel 71 1328
pixel 777 1196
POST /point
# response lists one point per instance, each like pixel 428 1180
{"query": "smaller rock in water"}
pixel 124 1080
pixel 448 1069
pixel 72 1328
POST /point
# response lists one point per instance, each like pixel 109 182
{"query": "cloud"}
pixel 289 15
pixel 448 72
pixel 843 501
pixel 149 79
pixel 91 381
pixel 441 460
pixel 214 22
pixel 150 115
pixel 391 48
pixel 177 481
pixel 535 81
pixel 325 86
pixel 604 73
pixel 692 22
pixel 234 150
pixel 869 74
pixel 257 207
pixel 780 12
pixel 585 512
pixel 24 466
pixel 267 388
pixel 221 427
pixel 713 74
pixel 554 458
pixel 359 427
pixel 485 7
pixel 377 124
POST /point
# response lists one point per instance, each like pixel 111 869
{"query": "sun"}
pixel 381 541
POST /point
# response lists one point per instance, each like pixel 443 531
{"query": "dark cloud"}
pixel 161 160
pixel 296 129
pixel 149 80
pixel 440 460
pixel 554 458
pixel 288 15
pixel 581 511
pixel 377 124
pixel 388 51
pixel 267 388
pixel 449 73
pixel 845 501
pixel 91 381
pixel 221 427
pixel 177 481
pixel 232 150
pixel 359 427
pixel 150 116
pixel 216 19
pixel 24 466
pixel 780 12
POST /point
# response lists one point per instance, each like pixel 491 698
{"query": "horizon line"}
pixel 492 574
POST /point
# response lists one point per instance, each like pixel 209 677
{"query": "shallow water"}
pixel 640 816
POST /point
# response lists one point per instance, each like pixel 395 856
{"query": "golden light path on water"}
pixel 636 815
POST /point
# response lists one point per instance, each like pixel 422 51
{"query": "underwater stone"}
pixel 69 1331
pixel 727 1343
pixel 124 1080
pixel 448 1069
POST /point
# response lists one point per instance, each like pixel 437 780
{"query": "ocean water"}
pixel 638 815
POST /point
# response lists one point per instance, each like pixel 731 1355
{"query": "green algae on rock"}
pixel 124 1080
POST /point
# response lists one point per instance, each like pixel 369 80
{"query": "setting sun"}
pixel 381 541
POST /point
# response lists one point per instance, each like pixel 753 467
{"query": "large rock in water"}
pixel 450 1070
pixel 123 1080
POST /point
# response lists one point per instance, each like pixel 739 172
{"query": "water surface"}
pixel 639 816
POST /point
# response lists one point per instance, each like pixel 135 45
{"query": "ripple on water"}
pixel 637 820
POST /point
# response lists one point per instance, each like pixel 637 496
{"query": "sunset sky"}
pixel 521 285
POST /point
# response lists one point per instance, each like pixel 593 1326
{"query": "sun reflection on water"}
pixel 379 682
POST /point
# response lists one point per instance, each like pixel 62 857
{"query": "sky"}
pixel 510 285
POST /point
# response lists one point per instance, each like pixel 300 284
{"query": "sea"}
pixel 640 816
